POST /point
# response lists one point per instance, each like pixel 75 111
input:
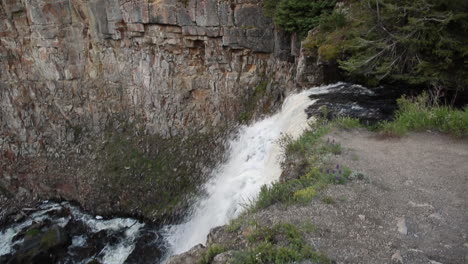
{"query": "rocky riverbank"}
pixel 408 206
pixel 59 232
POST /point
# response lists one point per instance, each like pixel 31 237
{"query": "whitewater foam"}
pixel 254 160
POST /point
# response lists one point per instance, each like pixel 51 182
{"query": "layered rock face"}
pixel 180 65
pixel 69 68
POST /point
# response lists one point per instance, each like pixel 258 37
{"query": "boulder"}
pixel 42 247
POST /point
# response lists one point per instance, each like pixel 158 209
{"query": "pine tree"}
pixel 421 42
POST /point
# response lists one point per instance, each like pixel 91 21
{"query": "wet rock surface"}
pixel 62 233
pixel 370 106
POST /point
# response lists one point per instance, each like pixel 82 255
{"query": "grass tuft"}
pixel 212 252
pixel 282 243
pixel 419 114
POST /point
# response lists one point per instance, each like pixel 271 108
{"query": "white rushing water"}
pixel 254 160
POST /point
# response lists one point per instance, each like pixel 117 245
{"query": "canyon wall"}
pixel 172 68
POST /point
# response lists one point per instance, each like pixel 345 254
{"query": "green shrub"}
pixel 329 52
pixel 305 195
pixel 282 243
pixel 212 252
pixel 298 15
pixel 309 151
pixel 423 42
pixel 234 225
pixel 420 114
pixel 347 122
pixel 277 193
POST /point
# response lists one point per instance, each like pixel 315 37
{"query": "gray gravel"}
pixel 412 206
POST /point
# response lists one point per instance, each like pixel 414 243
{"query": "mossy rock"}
pixel 41 245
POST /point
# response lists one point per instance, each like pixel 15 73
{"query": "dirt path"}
pixel 412 206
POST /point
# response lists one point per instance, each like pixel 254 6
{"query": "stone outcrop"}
pixel 70 68
pixel 180 66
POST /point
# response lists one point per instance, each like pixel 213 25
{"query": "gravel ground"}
pixel 411 206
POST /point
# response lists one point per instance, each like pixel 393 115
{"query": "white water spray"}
pixel 253 162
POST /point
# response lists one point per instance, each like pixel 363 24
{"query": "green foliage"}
pixel 277 193
pixel 305 195
pixel 309 151
pixel 332 21
pixel 420 114
pixel 329 52
pixel 347 123
pixel 282 243
pixel 422 42
pixel 298 15
pixel 234 225
pixel 212 252
pixel 305 144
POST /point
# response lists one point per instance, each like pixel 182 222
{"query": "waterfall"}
pixel 253 161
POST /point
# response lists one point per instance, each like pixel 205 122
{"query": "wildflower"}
pixel 337 166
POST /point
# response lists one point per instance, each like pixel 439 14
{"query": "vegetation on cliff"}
pixel 417 42
pixel 153 176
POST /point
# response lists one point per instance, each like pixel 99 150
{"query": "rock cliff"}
pixel 71 69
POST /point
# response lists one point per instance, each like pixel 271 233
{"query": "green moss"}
pixel 49 238
pixel 151 175
pixel 33 232
pixel 250 106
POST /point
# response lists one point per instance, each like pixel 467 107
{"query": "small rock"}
pixel 417 205
pixel 362 217
pixel 98 217
pixel 224 257
pixel 434 262
pixel 436 216
pixel 401 224
pixel 408 182
pixel 396 257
